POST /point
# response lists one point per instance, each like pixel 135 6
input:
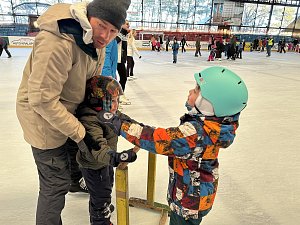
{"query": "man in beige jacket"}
pixel 68 50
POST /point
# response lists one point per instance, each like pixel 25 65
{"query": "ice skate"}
pixel 79 186
pixel 133 77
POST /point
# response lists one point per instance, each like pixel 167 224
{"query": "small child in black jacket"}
pixel 97 155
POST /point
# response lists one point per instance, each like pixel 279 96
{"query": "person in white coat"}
pixel 131 50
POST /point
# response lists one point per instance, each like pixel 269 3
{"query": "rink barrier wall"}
pixel 27 42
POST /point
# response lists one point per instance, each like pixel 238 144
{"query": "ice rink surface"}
pixel 259 174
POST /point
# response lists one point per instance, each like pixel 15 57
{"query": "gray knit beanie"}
pixel 112 11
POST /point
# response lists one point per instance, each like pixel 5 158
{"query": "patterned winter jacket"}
pixel 192 149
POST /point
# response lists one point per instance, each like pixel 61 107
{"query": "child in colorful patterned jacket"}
pixel 214 107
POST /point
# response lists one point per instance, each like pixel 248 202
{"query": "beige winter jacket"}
pixel 53 82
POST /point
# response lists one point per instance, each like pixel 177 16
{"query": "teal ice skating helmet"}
pixel 225 90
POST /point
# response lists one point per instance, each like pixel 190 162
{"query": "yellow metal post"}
pixel 122 196
pixel 151 178
pixel 149 203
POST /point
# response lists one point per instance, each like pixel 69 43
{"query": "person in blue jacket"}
pixel 111 60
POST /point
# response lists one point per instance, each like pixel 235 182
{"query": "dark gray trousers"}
pixel 54 178
pixel 6 50
pixel 100 184
pixel 269 50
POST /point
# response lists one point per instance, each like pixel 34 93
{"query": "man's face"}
pixel 103 32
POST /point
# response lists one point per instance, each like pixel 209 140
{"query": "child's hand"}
pixel 125 156
pixel 110 119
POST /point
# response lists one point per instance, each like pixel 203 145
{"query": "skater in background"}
pixel 212 55
pixel 98 156
pixel 167 43
pixel 244 44
pixel 198 46
pixel 231 48
pixel 239 50
pixel 122 58
pixel 131 50
pixel 153 43
pixel 4 45
pixel 264 44
pixel 219 49
pixel 161 42
pixel 158 46
pixel 175 49
pixel 67 51
pixel 297 48
pixel 183 43
pixel 270 44
pixel 213 109
pixel 211 42
pixel 282 46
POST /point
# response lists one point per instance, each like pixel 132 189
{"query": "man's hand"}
pixel 85 150
pixel 125 156
pixel 90 142
pixel 110 119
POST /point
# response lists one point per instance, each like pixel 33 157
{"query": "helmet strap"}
pixel 198 110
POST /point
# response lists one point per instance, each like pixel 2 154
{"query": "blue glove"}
pixel 125 156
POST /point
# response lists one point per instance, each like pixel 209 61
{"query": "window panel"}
pixel 134 13
pixel 163 14
pixel 169 10
pixel 202 11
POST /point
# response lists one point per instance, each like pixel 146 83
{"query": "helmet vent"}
pixel 199 74
pixel 239 82
pixel 223 70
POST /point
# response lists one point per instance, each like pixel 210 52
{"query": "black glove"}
pixel 110 119
pixel 125 156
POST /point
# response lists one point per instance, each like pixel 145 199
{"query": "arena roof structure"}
pixel 244 16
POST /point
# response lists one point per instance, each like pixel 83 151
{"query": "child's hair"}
pixel 100 90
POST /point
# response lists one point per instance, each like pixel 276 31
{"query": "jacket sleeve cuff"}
pixel 80 134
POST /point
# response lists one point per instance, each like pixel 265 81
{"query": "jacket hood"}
pixel 61 11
